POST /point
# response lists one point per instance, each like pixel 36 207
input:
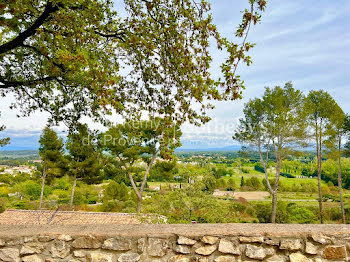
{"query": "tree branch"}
pixel 18 40
pixel 46 56
pixel 7 84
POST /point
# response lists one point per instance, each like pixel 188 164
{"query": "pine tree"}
pixel 51 153
pixel 83 157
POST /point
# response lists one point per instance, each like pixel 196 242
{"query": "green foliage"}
pixel 253 183
pixel 31 189
pixel 231 185
pixel 263 213
pixel 301 215
pixel 62 183
pixel 4 191
pixel 3 204
pixel 163 171
pixel 115 191
pixel 287 175
pixel 6 140
pixel 51 152
pixel 62 196
pixel 242 182
pixel 5 178
pixel 84 155
pixel 67 57
pixel 139 142
pixel 259 168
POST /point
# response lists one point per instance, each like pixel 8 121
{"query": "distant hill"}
pixel 32 154
pixel 213 149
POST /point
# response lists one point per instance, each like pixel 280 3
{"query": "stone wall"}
pixel 218 243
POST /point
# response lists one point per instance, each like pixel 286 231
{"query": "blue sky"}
pixel 306 42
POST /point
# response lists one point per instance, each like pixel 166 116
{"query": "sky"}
pixel 305 42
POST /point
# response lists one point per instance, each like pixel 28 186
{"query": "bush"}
pixel 5 178
pixel 116 191
pixel 34 190
pixel 245 170
pixel 287 175
pixel 302 215
pixel 253 182
pixel 231 185
pixel 263 212
pixel 238 207
pixel 62 196
pixel 62 183
pixel 333 214
pixel 3 204
pixel 19 204
pixel 259 168
pixel 111 206
pixel 4 191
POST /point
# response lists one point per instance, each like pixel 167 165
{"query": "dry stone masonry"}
pixel 176 243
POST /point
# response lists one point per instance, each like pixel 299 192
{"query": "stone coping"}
pixel 166 230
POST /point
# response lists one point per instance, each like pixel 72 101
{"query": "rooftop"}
pixel 44 217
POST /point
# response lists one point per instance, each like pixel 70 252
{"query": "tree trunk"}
pixel 144 181
pixel 73 191
pixel 138 208
pixel 274 207
pixel 319 170
pixel 138 195
pixel 42 189
pixel 340 184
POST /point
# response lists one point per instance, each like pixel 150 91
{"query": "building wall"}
pixel 182 243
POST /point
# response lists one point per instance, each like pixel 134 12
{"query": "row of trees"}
pixel 132 147
pixel 284 119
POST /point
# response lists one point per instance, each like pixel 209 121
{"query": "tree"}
pixel 51 153
pixel 319 106
pixel 339 127
pixel 68 57
pixel 84 155
pixel 242 182
pixel 6 140
pixel 272 124
pixel 115 191
pixel 141 141
pixel 163 171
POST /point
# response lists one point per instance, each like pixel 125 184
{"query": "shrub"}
pixel 62 196
pixel 302 215
pixel 231 185
pixel 110 206
pixel 245 170
pixel 333 214
pixel 5 178
pixel 33 190
pixel 116 191
pixel 287 175
pixel 4 191
pixel 253 182
pixel 238 207
pixel 259 168
pixel 3 204
pixel 263 212
pixel 62 183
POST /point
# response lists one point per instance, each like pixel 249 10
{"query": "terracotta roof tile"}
pixel 41 217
